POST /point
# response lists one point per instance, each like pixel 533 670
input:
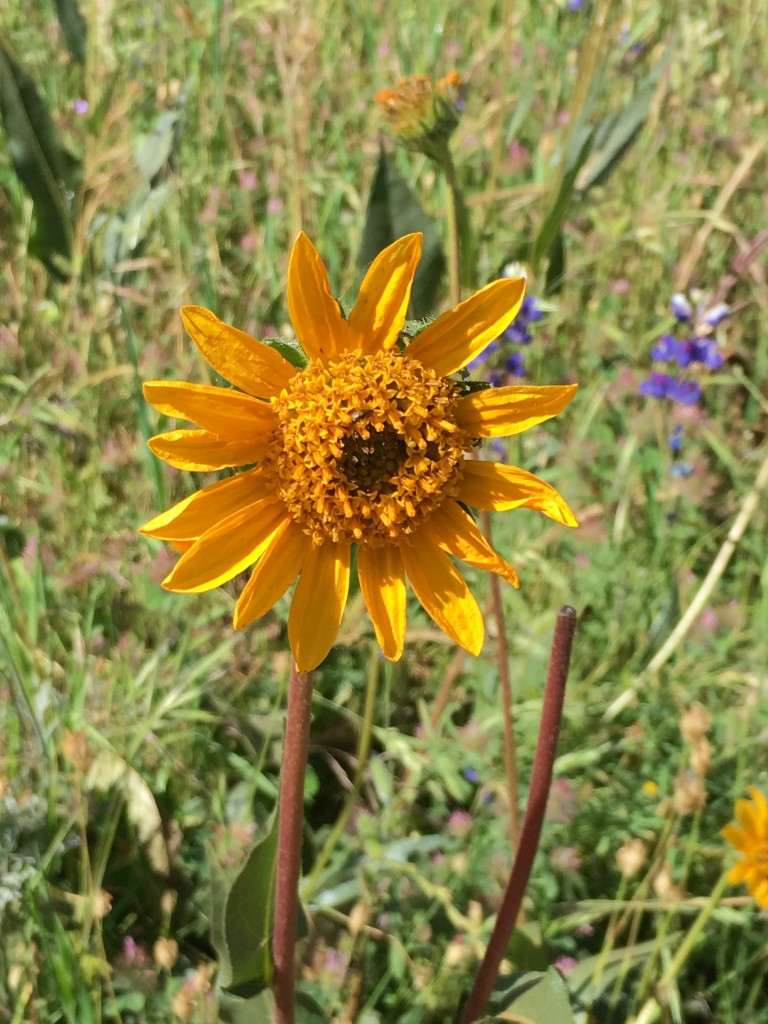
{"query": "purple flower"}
pixel 681 308
pixel 515 365
pixel 499 452
pixel 479 361
pixel 656 386
pixel 530 309
pixel 459 823
pixel 496 378
pixel 684 392
pixel 471 775
pixel 717 314
pixel 675 439
pixel 667 348
pixel 680 470
pixel 80 107
pixel 705 350
pixel 662 385
pixel 518 332
pixel 565 964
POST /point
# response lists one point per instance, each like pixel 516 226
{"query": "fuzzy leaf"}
pixel 44 167
pixel 533 998
pixel 73 28
pixel 393 211
pixel 242 933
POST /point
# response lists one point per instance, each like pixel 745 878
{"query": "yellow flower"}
pixel 366 445
pixel 752 842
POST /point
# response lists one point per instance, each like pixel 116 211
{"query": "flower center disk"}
pixel 367 447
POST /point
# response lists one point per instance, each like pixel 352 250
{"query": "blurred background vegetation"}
pixel 164 153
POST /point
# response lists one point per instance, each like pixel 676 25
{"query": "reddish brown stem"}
pixel 507 705
pixel 541 779
pixel 290 821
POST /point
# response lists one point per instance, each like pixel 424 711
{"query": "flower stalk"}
pixel 546 748
pixel 290 822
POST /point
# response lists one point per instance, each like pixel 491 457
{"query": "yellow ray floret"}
pixel 751 840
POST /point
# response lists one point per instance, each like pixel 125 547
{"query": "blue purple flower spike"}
pixel 698 347
pixel 498 361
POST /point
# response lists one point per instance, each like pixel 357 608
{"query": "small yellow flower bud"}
pixel 689 795
pixel 166 953
pixel 102 904
pixel 701 756
pixel 694 723
pixel 631 857
pixel 168 902
pixel 183 1005
pixel 457 953
pixel 358 918
pixel 664 885
pixel 75 749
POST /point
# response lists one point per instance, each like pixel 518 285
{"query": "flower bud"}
pixel 689 794
pixel 631 857
pixel 701 756
pixel 694 723
pixel 423 114
pixel 166 953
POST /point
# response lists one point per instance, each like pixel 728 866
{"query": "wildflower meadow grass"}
pixel 610 159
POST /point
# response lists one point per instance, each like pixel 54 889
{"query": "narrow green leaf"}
pixel 555 219
pixel 393 211
pixel 45 168
pixel 73 28
pixel 595 976
pixel 616 134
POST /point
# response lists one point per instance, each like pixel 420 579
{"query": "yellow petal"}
pixel 748 819
pixel 191 517
pixel 382 304
pixel 227 548
pixel 735 837
pixel 501 412
pixel 457 337
pixel 316 317
pixel 382 581
pixel 443 592
pixel 318 603
pixel 761 806
pixel 239 358
pixel 495 487
pixel 457 533
pixel 219 410
pixel 199 450
pixel 277 568
pixel 739 873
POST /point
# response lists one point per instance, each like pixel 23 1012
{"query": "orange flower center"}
pixel 366 448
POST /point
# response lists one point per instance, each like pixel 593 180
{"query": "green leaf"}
pixel 258 1010
pixel 393 211
pixel 158 146
pixel 241 930
pixel 533 998
pixel 592 978
pixel 126 231
pixel 290 350
pixel 616 134
pixel 546 238
pixel 73 28
pixel 45 168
